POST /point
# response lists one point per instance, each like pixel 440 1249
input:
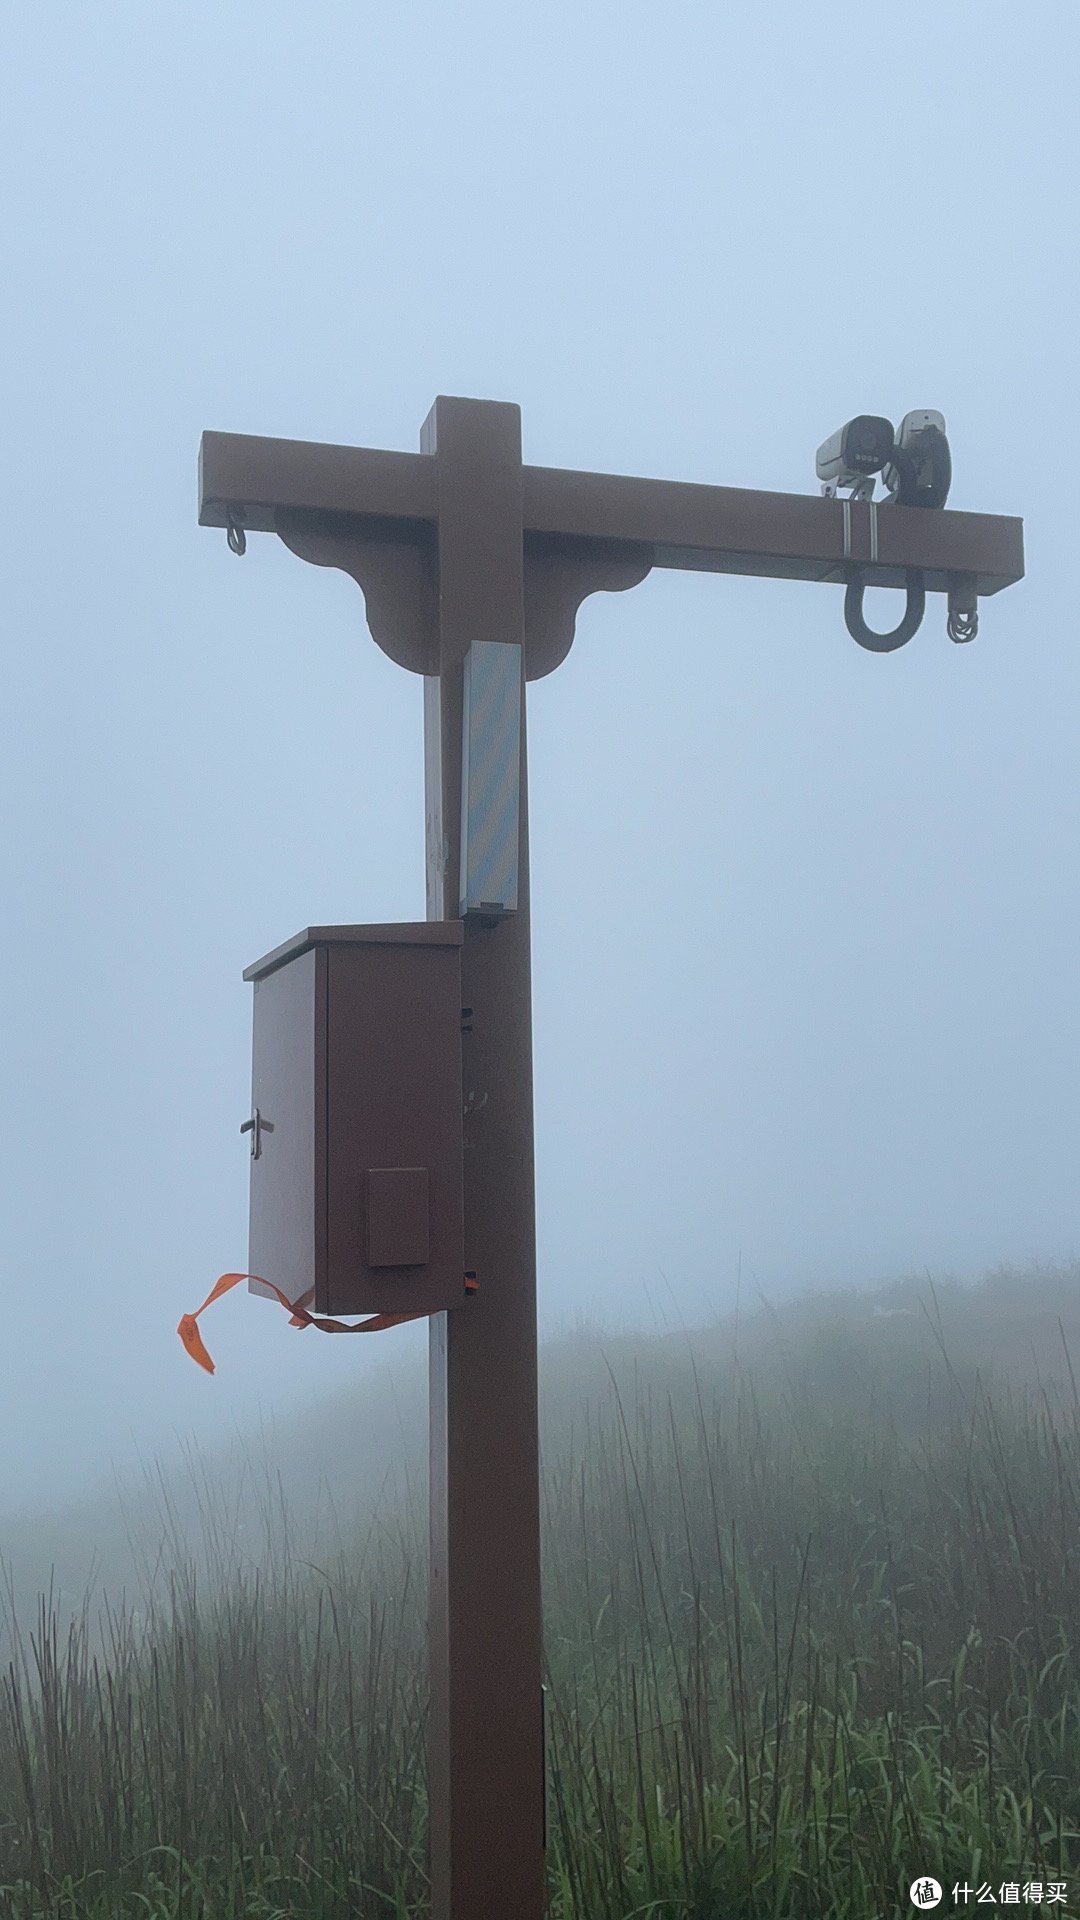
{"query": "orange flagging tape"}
pixel 296 1309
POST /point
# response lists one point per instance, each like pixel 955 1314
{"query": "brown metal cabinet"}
pixel 356 1125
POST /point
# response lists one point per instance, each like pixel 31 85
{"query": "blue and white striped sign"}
pixel 491 776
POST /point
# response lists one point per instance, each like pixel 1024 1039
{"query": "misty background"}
pixel 805 920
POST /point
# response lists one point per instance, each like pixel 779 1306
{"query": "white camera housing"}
pixel 915 423
pixel 853 455
pixel 921 474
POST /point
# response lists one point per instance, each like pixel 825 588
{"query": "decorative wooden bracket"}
pixel 559 575
pixel 397 577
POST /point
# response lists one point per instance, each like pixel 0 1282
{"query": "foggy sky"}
pixel 805 922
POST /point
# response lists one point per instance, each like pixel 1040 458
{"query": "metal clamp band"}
pixel 848 554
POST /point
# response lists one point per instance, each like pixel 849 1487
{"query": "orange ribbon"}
pixel 296 1309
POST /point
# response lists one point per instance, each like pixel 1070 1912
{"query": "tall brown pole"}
pixel 376 515
pixel 486 1771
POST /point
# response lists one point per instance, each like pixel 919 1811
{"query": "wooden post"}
pixel 486 1767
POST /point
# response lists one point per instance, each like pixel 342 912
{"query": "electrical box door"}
pixel 356 1124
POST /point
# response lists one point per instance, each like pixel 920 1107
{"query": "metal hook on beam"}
pixel 909 625
pixel 234 532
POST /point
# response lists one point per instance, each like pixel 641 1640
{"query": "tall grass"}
pixel 794 1658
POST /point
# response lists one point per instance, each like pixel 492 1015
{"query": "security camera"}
pixel 851 457
pixel 916 467
pixel 920 472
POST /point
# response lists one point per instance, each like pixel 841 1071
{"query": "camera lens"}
pixel 869 442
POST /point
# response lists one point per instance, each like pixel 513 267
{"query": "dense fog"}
pixel 805 918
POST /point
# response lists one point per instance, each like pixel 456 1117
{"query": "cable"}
pixel 909 625
pixel 963 620
pixel 962 626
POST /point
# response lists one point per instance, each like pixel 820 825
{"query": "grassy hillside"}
pixel 812 1611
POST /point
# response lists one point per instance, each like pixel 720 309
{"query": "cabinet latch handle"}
pixel 256 1126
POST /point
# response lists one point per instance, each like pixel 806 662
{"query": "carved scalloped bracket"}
pixel 559 575
pixel 397 576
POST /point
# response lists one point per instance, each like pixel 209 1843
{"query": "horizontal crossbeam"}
pixel 671 523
